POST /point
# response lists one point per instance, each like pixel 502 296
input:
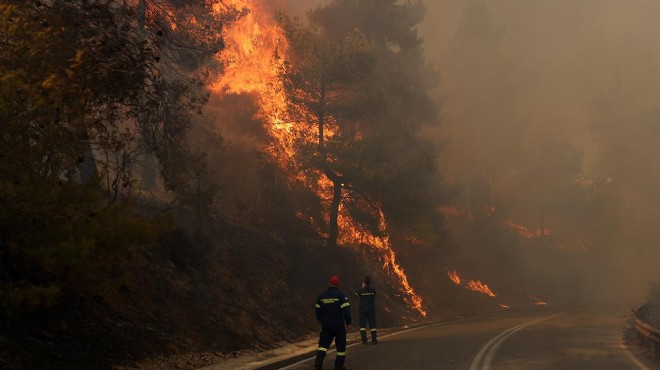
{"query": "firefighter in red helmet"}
pixel 334 313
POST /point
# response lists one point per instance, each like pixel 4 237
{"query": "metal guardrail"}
pixel 649 335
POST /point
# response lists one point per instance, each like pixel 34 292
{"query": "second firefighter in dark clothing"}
pixel 367 297
pixel 334 313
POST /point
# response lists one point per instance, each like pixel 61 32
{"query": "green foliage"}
pixel 63 83
pixel 70 74
pixel 184 36
pixel 58 237
pixel 322 73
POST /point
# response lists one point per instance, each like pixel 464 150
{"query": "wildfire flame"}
pixel 524 232
pixel 474 285
pixel 352 234
pixel 453 275
pixel 251 44
pixel 478 286
pixel 536 300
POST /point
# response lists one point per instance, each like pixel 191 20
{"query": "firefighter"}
pixel 334 313
pixel 367 296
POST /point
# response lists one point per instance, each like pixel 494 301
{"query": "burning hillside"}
pixel 256 50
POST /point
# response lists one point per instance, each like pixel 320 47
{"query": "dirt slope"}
pixel 232 290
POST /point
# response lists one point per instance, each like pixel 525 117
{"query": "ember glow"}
pixel 474 285
pixel 478 286
pixel 453 275
pixel 537 301
pixel 251 67
pixel 453 211
pixel 524 232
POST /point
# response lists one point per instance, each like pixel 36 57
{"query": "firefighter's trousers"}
pixel 325 340
pixel 368 317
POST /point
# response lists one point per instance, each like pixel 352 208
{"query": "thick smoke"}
pixel 555 104
pixel 551 114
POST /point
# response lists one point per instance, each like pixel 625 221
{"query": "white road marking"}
pixel 483 359
pixel 387 335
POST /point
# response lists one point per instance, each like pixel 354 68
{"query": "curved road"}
pixel 536 338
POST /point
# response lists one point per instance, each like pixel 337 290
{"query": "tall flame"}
pixel 352 234
pixel 251 44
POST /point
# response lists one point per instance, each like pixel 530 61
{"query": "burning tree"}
pixel 343 105
pixel 362 83
pixel 321 81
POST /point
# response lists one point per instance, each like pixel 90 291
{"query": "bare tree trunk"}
pixel 337 181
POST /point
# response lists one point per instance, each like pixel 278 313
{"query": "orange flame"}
pixel 251 44
pixel 453 275
pixel 537 301
pixel 352 234
pixel 474 285
pixel 478 286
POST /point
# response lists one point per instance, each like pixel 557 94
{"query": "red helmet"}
pixel 334 280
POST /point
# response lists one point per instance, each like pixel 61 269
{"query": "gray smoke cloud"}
pixel 537 93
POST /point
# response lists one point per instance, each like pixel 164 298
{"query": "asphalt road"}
pixel 536 338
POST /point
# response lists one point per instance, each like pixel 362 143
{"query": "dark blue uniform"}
pixel 332 311
pixel 367 297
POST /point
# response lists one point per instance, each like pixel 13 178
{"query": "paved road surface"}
pixel 536 338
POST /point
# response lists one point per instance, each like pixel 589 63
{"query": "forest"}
pixel 180 178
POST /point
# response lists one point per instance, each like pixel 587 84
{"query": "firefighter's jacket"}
pixel 367 297
pixel 333 309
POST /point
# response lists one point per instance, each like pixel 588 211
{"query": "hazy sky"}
pixel 558 55
pixel 583 72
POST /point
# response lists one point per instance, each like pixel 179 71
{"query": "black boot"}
pixel 374 337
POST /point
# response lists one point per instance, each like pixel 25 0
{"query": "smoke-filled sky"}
pixel 525 82
pixel 551 58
